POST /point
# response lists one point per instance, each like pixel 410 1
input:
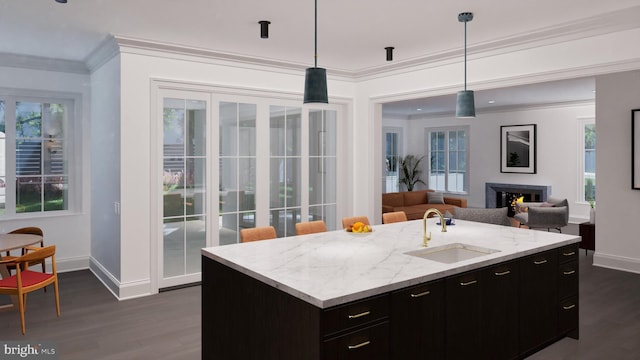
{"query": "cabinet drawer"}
pixel 370 343
pixel 568 253
pixel 568 280
pixel 354 314
pixel 568 316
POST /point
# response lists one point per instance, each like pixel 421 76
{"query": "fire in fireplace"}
pixel 506 195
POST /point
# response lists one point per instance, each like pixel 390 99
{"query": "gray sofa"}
pixel 496 216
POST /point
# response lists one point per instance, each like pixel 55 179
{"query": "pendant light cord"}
pixel 465 56
pixel 315 30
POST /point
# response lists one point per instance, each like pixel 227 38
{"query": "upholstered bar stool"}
pixel 310 227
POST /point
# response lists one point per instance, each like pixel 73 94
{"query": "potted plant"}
pixel 410 171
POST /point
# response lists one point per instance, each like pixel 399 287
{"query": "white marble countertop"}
pixel 336 267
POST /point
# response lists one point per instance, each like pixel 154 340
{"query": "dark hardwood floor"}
pixel 94 325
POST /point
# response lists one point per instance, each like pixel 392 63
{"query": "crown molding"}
pixel 42 63
pixel 602 24
pixel 105 51
pixel 175 51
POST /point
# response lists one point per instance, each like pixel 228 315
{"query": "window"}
pixel 587 178
pixel 448 153
pixel 34 171
pixel 391 142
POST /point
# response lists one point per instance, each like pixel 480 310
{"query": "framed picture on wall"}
pixel 518 149
pixel 635 149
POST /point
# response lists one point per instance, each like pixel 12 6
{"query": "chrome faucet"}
pixel 426 238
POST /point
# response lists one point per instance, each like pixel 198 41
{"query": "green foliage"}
pixel 590 191
pixel 590 136
pixel 410 171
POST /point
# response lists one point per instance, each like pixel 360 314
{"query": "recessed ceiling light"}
pixel 418 109
pixel 491 101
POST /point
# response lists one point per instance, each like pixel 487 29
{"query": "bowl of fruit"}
pixel 359 228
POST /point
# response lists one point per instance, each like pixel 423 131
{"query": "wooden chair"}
pixel 258 233
pixel 347 222
pixel 310 227
pixel 394 216
pixel 33 230
pixel 26 281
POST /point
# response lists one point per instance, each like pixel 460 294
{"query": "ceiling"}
pixel 352 34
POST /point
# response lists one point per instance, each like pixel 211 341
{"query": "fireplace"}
pixel 505 195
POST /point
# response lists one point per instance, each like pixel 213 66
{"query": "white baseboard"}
pixel 616 262
pixel 122 291
pixel 72 264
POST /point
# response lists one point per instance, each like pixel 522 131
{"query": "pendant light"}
pixel 465 104
pixel 315 80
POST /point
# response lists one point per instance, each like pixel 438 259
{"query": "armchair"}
pixel 553 214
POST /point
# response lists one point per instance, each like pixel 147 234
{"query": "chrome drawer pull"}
pixel 569 307
pixel 353 347
pixel 569 254
pixel 468 283
pixel 503 273
pixel 359 315
pixel 421 294
pixel 540 262
pixel 569 272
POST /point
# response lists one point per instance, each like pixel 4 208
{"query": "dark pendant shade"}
pixel 465 104
pixel 315 86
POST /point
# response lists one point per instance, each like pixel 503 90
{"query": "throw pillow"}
pixel 435 197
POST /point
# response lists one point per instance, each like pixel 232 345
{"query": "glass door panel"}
pixel 322 166
pixel 184 186
pixel 285 168
pixel 237 170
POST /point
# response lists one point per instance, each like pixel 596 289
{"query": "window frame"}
pixel 72 140
pixel 447 130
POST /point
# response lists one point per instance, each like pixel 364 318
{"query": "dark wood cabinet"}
pixel 418 320
pixel 538 300
pixel 568 310
pixel 369 342
pixel 463 315
pixel 503 311
pixel 499 315
pixel 588 234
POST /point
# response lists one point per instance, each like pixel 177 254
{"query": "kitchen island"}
pixel 342 295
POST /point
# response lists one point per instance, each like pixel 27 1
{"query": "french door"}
pixel 229 162
pixel 185 195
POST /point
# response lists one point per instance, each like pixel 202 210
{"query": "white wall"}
pixel 558 154
pixel 106 177
pixel 70 233
pixel 618 206
pixel 138 69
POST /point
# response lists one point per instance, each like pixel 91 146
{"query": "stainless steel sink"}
pixel 451 253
